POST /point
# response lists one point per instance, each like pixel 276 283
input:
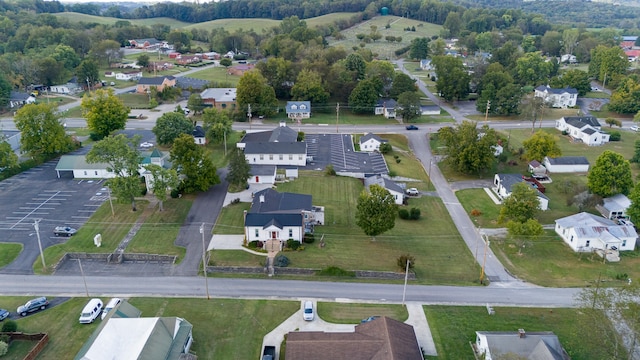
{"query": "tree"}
pixel 104 112
pixel 521 232
pixel 453 23
pixel 279 74
pixel 5 91
pixel 8 158
pixel 355 62
pixel 569 40
pixel 577 79
pixel 143 60
pixel 162 181
pixel 226 62
pixel 190 160
pixel 453 78
pixel 107 52
pixel 634 209
pixel 626 98
pixel 123 159
pixel 610 175
pixel 195 103
pixel 382 70
pixel 533 69
pixel 308 86
pixel 467 151
pixel 252 89
pixel 364 97
pixel 171 125
pixel 402 83
pixel 216 124
pixel 636 152
pixel 42 133
pixel 376 211
pixel 612 121
pixel 521 205
pixel 409 106
pixel 607 63
pixel 419 48
pixel 497 88
pixel 88 71
pixel 239 168
pixel 539 145
pixel 551 43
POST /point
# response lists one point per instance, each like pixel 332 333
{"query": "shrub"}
pixel 309 239
pixel 392 173
pixel 398 161
pixel 476 212
pixel 414 214
pixel 281 261
pixel 336 271
pixel 9 326
pixel 5 338
pixel 293 244
pixel 300 136
pixel 253 244
pixel 4 348
pixel 402 261
pixel 95 137
pixel 385 148
pixel 403 214
pixel 623 276
pixel 614 136
pixel 329 170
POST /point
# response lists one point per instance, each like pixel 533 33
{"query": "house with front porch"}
pixel 585 232
pixel 298 109
pixel 17 99
pixel 386 108
pixel 276 147
pixel 557 98
pixel 585 129
pixel 503 184
pixel 219 98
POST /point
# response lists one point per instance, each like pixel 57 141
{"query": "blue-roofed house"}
pixel 281 216
pixel 558 98
pixel 298 109
pixel 504 182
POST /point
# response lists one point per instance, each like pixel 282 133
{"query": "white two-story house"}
pixel 275 147
pixel 557 98
pixel 586 129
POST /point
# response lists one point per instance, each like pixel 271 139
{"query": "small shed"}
pixel 535 168
pixel 566 164
pixel 262 174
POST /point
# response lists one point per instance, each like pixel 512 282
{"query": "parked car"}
pixel 413 192
pixel 110 305
pixel 412 127
pixel 269 353
pixel 4 314
pixel 91 311
pixel 308 311
pixel 146 144
pixel 64 231
pixel 634 128
pixel 33 305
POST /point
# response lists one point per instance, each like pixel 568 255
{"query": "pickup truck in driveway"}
pixel 269 353
pixel 64 231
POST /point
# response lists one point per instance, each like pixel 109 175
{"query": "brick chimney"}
pixel 521 333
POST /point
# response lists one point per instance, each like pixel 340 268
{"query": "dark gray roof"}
pixel 568 160
pixel 390 103
pixel 188 82
pixel 276 202
pixel 154 80
pixel 279 220
pixel 259 136
pixel 535 163
pixel 262 170
pixel 368 136
pixel 581 121
pixel 150 40
pixel 429 107
pixel 534 345
pixel 384 182
pixel 283 134
pixel 275 148
pixel 198 131
pixel 19 96
pixel 559 91
pixel 508 180
pixel 589 131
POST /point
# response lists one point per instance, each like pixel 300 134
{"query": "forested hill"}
pixel 587 13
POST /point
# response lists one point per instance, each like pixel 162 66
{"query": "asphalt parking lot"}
pixel 38 194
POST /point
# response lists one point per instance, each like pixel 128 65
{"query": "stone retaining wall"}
pixel 305 272
pixel 110 258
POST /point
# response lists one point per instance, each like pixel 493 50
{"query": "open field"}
pixel 453 327
pixel 222 328
pixel 548 261
pixel 75 17
pixel 433 239
pixel 216 74
pixel 548 114
pixel 383 48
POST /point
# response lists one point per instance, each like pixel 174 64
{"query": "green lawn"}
pixel 548 114
pixel 160 230
pixel 75 17
pixel 112 228
pixel 216 74
pixel 217 151
pixel 135 100
pixel 222 328
pixel 454 327
pixel 8 253
pixel 232 25
pixel 477 199
pixel 548 261
pixel 231 219
pixel 342 313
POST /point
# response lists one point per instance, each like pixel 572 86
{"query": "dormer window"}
pixel 294 107
pixel 303 107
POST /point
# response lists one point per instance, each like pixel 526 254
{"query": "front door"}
pixel 274 234
pixel 257 179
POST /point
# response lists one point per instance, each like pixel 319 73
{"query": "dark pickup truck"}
pixel 269 353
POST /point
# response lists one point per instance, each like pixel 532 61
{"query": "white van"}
pixel 91 311
pixel 110 305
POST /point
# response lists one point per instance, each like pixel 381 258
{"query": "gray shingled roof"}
pixel 279 220
pixel 262 170
pixel 384 182
pixel 276 202
pixel 568 160
pixel 283 134
pixel 154 80
pixel 275 148
pixel 584 120
pixel 369 136
pixel 557 91
pixel 528 347
pixel 390 103
pixel 508 180
pixel 185 82
pixel 18 96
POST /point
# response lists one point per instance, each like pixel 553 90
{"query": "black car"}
pixel 412 127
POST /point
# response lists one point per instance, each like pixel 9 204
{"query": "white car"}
pixel 413 192
pixel 146 144
pixel 634 128
pixel 308 315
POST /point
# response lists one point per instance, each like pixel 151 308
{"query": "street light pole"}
pixel 110 202
pixel 204 264
pixel 484 261
pixel 84 279
pixel 36 226
pixel 406 276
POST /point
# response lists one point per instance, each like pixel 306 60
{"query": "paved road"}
pixel 178 286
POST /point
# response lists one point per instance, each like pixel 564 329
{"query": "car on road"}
pixel 412 127
pixel 308 311
pixel 4 314
pixel 634 128
pixel 413 192
pixel 64 231
pixel 33 305
pixel 146 144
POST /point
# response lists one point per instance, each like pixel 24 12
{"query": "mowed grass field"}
pixel 383 48
pixel 433 240
pixel 75 17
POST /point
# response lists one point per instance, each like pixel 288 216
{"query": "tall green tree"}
pixel 252 89
pixel 43 134
pixel 610 175
pixel 577 79
pixel 239 168
pixel 104 111
pixel 533 69
pixel 308 87
pixel 381 70
pixel 88 71
pixel 402 83
pixel 162 181
pixel 634 209
pixel 364 97
pixel 497 89
pixel 142 60
pixel 5 90
pixel 636 152
pixel 523 232
pixel 419 48
pixel 467 151
pixel 453 78
pixel 607 63
pixel 355 62
pixel 8 158
pixel 522 205
pixel 123 159
pixel 216 124
pixel 409 106
pixel 191 161
pixel 626 98
pixel 195 103
pixel 376 211
pixel 570 40
pixel 171 125
pixel 539 145
pixel 279 74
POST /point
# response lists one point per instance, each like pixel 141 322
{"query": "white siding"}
pixel 297 233
pixel 277 159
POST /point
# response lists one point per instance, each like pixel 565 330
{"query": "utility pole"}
pixel 484 261
pixel 249 114
pixel 88 86
pixel 595 294
pixel 36 226
pixel 84 279
pixel 204 263
pixel 406 276
pixel 225 142
pixel 337 115
pixel 486 113
pixel 110 202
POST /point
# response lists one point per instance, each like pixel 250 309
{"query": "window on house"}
pixel 85 173
pixel 571 238
pixel 261 156
pixel 281 157
pixel 290 156
pixel 624 243
pixel 257 233
pixel 96 172
pixel 299 157
pixel 290 233
pixel 587 243
pixel 270 156
pixel 224 106
pixel 294 107
pixel 303 107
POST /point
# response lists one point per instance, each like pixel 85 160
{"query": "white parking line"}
pixel 31 207
pixel 80 217
pixel 37 203
pixel 34 210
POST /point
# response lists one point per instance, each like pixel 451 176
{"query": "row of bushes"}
pixel 412 214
